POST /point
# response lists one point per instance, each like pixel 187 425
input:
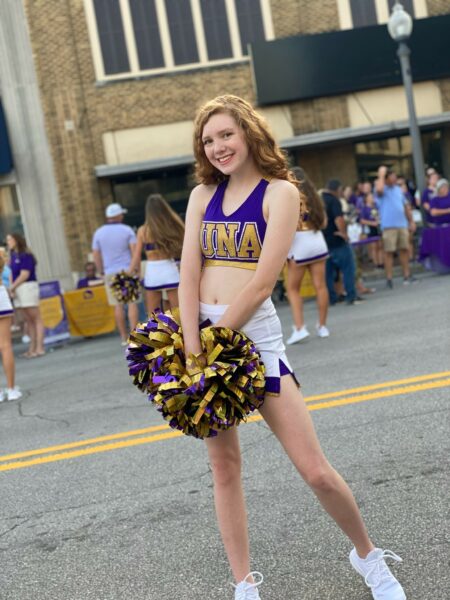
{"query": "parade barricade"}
pixel 88 312
pixel 435 248
pixel 53 313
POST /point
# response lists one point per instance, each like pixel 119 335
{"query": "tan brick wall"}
pixel 292 17
pixel 438 7
pixel 324 163
pixel 319 114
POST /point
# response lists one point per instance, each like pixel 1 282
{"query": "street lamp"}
pixel 400 27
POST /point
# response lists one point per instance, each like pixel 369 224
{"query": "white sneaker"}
pixel 2 396
pixel 377 575
pixel 298 335
pixel 13 394
pixel 26 339
pixel 322 331
pixel 246 590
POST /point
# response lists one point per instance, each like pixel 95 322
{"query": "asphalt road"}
pixel 131 517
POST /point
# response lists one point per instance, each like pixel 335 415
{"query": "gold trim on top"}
pixel 251 266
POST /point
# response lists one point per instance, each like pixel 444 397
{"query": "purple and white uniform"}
pixel 6 309
pixel 160 274
pixel 236 241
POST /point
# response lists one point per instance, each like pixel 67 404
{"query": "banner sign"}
pixel 53 313
pixel 88 312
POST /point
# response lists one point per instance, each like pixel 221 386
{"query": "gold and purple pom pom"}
pixel 125 287
pixel 216 391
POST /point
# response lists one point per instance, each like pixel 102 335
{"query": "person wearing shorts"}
pixel 24 290
pixel 396 222
pixel 112 246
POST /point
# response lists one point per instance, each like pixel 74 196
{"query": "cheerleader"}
pixel 6 315
pixel 161 237
pixel 309 251
pixel 240 223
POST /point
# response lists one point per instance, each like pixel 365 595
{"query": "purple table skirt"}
pixel 369 240
pixel 435 248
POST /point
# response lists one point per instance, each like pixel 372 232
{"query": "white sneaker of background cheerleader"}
pixel 377 574
pixel 13 394
pixel 246 590
pixel 322 331
pixel 298 335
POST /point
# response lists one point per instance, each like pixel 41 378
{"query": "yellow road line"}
pixel 96 440
pixel 154 428
pixel 172 434
pixel 376 386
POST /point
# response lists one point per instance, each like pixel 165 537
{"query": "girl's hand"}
pixel 195 363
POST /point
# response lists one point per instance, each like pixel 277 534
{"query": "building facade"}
pixel 99 97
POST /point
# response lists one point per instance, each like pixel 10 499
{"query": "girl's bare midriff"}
pixel 221 285
pixel 155 255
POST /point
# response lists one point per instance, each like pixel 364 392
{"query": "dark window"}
pixel 217 33
pixel 146 33
pixel 408 5
pixel 182 34
pixel 363 13
pixel 111 35
pixel 250 21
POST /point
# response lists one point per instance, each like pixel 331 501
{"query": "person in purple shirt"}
pixel 113 246
pixel 370 220
pixel 91 276
pixel 429 191
pixel 25 291
pixel 440 204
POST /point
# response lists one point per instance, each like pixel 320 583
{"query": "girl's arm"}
pixel 23 276
pixel 137 252
pixel 436 212
pixel 190 271
pixel 283 212
pixel 368 222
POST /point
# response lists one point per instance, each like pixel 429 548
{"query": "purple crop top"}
pixel 235 240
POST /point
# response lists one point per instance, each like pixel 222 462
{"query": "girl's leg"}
pixel 153 300
pixel 133 315
pixel 225 459
pixel 6 350
pixel 290 421
pixel 172 295
pixel 36 326
pixel 31 331
pixel 295 274
pixel 320 285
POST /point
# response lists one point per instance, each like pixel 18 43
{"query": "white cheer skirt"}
pixel 6 308
pixel 161 275
pixel 308 247
pixel 264 329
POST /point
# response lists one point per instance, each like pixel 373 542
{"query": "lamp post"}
pixel 400 27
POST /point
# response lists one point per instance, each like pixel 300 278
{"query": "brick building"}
pixel 99 97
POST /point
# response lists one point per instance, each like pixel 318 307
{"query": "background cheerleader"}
pixel 161 238
pixel 6 350
pixel 309 251
pixel 24 290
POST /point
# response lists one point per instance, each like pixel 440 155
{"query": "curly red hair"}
pixel 270 159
